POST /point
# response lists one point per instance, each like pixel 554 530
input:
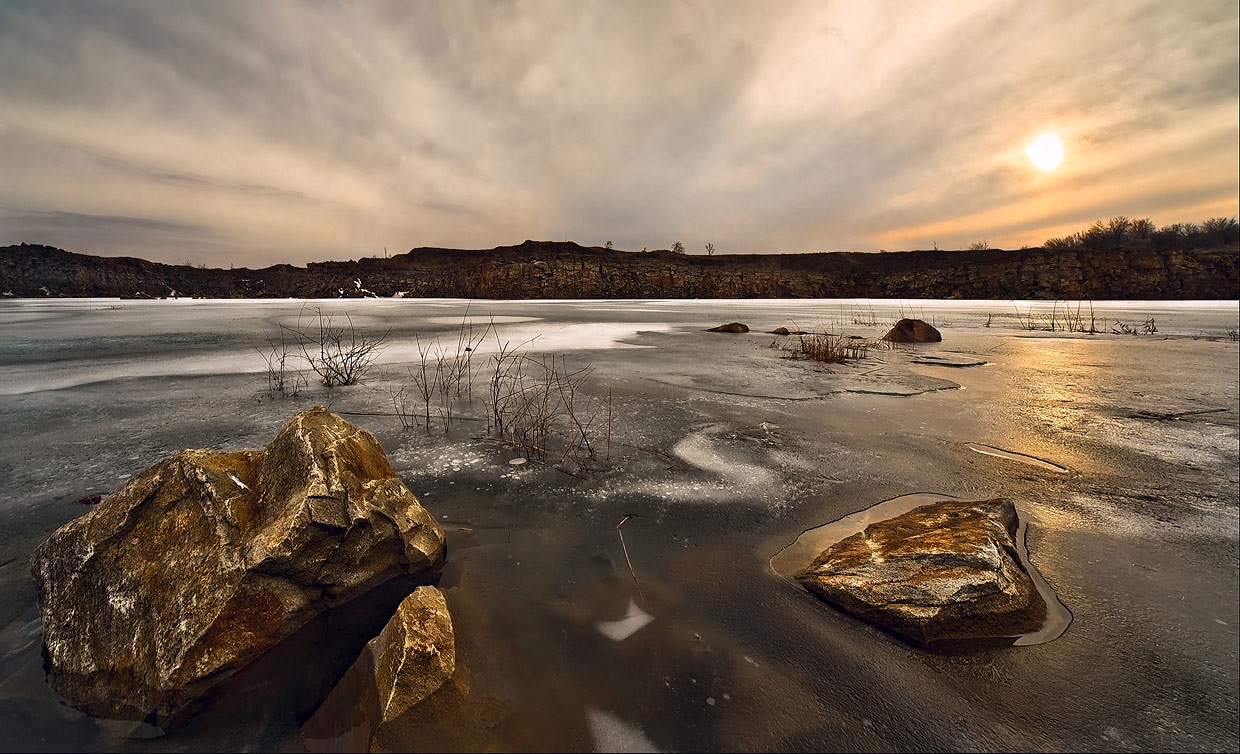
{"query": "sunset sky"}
pixel 261 132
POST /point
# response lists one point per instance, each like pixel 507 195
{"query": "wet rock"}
pixel 405 692
pixel 207 559
pixel 734 327
pixel 945 571
pixel 786 331
pixel 913 331
pixel 91 500
pixel 415 653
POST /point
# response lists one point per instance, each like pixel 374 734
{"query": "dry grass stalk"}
pixel 338 355
pixel 282 378
pixel 827 348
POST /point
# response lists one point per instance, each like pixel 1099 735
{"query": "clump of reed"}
pixel 826 348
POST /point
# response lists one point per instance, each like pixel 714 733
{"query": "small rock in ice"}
pixel 516 461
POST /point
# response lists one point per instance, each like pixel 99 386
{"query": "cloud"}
pixel 284 131
pixel 41 221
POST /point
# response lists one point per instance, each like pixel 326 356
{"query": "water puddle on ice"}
pixel 812 542
pixel 1058 616
pixel 990 450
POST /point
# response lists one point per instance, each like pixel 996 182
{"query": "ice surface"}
pixel 634 620
pixel 78 342
pixel 610 733
pixel 723 452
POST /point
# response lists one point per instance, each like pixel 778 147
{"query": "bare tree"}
pixel 710 249
pixel 678 248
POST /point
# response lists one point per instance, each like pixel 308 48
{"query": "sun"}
pixel 1046 151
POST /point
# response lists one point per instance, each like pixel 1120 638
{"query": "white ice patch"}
pixel 610 733
pixel 619 630
pixel 240 483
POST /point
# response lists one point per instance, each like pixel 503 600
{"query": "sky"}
pixel 254 133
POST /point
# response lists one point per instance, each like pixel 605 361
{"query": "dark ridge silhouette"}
pixel 553 269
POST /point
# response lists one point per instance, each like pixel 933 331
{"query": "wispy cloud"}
pixel 281 131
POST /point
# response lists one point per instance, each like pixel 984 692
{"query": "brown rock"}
pixel 733 327
pixel 780 331
pixel 407 691
pixel 913 331
pixel 204 561
pixel 415 653
pixel 949 570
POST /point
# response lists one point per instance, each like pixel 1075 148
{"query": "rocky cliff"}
pixel 539 269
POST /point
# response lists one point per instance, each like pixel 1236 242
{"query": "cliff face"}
pixel 567 270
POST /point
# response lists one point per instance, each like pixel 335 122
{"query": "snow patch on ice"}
pixel 633 621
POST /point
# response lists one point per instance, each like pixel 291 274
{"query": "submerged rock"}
pixel 415 653
pixel 949 570
pixel 913 331
pixel 407 691
pixel 204 561
pixel 735 327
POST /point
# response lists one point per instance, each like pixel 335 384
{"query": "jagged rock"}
pixel 202 562
pixel 913 331
pixel 415 653
pixel 948 570
pixel 406 691
pixel 734 327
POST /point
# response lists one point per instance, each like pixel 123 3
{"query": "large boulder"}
pixel 732 327
pixel 945 571
pixel 913 331
pixel 207 559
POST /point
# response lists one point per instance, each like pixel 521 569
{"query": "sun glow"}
pixel 1046 151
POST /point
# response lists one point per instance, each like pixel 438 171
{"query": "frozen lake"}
pixel 723 453
pixel 96 340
